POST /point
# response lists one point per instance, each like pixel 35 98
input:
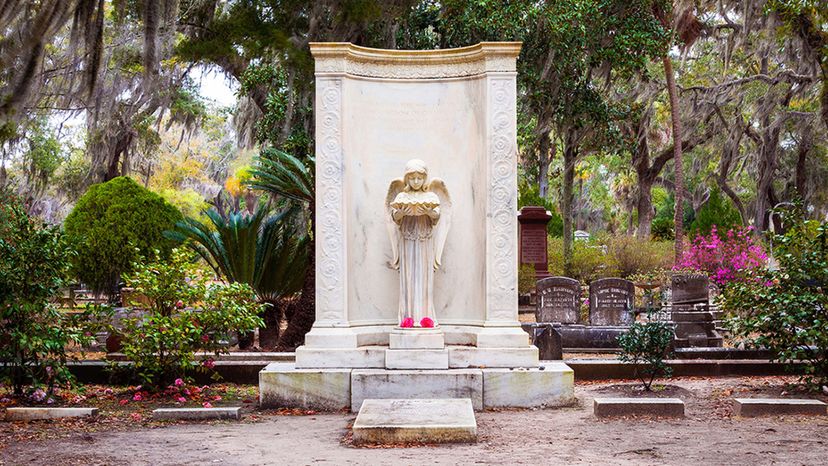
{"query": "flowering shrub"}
pixel 186 315
pixel 786 310
pixel 34 261
pixel 724 259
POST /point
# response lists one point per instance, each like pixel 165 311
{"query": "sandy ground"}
pixel 708 435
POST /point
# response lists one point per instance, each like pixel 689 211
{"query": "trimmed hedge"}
pixel 112 225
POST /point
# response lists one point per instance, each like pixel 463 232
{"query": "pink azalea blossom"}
pixel 181 399
pixel 137 397
pixel 206 404
pixel 724 260
pixel 209 363
pixel 179 382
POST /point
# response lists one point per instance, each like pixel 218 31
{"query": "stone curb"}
pixel 196 414
pixel 659 407
pixel 754 407
pixel 35 414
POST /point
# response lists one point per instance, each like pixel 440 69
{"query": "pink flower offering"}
pixel 427 322
pixel 137 397
pixel 408 322
pixel 179 382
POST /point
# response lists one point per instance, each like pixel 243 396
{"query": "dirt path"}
pixel 708 435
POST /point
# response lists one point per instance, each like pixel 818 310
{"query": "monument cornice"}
pixel 349 59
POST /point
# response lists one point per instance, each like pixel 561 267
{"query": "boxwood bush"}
pixel 111 226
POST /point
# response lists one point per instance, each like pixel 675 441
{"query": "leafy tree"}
pixel 260 250
pixel 112 225
pixel 184 314
pixel 717 212
pixel 786 309
pixel 34 264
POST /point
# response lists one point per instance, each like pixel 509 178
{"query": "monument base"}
pixel 283 385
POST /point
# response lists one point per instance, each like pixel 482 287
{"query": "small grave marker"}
pixel 559 300
pixel 611 301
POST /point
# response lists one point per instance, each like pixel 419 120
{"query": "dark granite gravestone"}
pixel 558 300
pixel 532 246
pixel 547 339
pixel 690 289
pixel 611 301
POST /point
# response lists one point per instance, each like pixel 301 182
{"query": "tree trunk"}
pixel 543 165
pixel 806 142
pixel 269 334
pixel 678 161
pixel 566 206
pixel 644 206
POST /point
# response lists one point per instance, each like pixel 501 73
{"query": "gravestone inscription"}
pixel 558 300
pixel 611 301
pixel 690 288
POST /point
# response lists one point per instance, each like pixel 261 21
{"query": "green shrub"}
pixel 663 229
pixel 718 212
pixel 526 279
pixel 647 345
pixel 786 310
pixel 34 263
pixel 183 314
pixel 111 226
pixel 630 255
pixel 589 259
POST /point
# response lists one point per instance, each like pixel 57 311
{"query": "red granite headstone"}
pixel 532 248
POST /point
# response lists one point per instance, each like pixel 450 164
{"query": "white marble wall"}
pixel 454 109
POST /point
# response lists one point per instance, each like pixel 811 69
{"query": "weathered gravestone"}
pixel 558 300
pixel 533 247
pixel 611 301
pixel 690 289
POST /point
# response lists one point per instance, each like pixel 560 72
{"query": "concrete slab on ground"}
pixel 34 414
pixel 415 421
pixel 196 414
pixel 753 407
pixel 660 407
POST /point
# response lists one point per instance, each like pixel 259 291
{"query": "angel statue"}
pixel 418 216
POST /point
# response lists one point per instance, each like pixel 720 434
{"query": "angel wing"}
pixel 438 187
pixel 394 188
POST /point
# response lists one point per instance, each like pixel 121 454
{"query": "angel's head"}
pixel 416 174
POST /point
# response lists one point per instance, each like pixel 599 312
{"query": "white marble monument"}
pixel 416 281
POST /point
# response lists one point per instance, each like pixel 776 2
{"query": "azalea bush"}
pixel 34 334
pixel 724 258
pixel 785 309
pixel 182 313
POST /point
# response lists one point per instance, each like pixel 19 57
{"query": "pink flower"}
pixel 209 363
pixel 216 398
pixel 137 397
pixel 408 322
pixel 123 402
pixel 179 382
pixel 136 417
pixel 181 399
pixel 205 338
pixel 206 404
pixel 427 322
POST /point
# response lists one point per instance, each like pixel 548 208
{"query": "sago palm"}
pixel 261 250
pixel 285 176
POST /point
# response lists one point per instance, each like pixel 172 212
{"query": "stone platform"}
pixel 415 421
pixel 283 385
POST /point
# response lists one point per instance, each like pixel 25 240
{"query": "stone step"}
pixel 197 414
pixel 753 407
pixel 394 421
pixel 427 384
pixel 34 414
pixel 417 359
pixel 659 407
pixel 692 316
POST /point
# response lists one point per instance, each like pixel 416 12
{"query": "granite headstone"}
pixel 533 247
pixel 690 289
pixel 611 301
pixel 558 300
